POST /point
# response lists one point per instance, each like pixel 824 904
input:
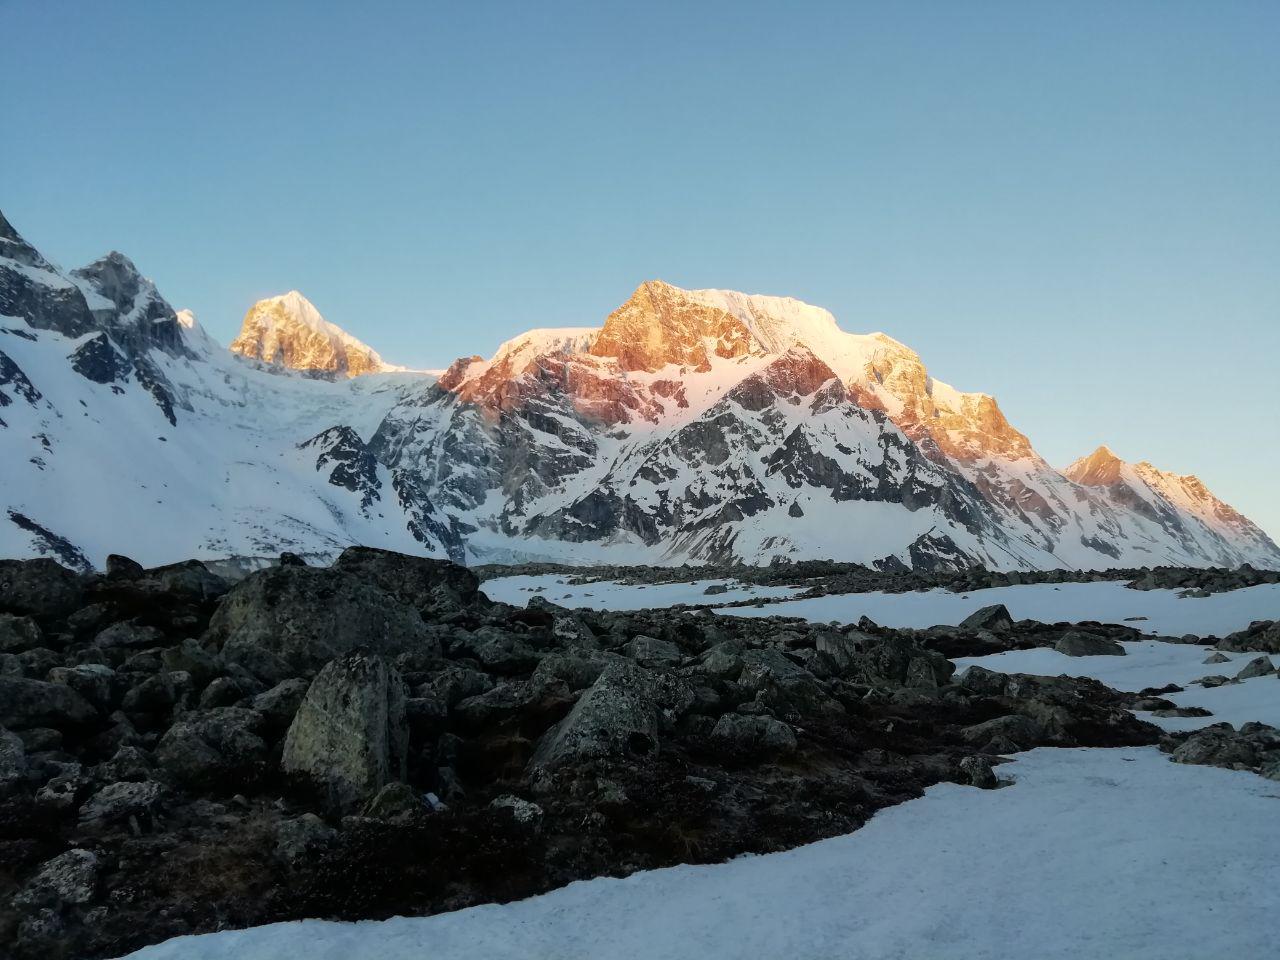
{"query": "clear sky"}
pixel 1072 206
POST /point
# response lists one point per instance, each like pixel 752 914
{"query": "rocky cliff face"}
pixel 289 332
pixel 693 425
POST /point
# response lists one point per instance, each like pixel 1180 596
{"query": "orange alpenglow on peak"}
pixel 288 331
pixel 1099 469
pixel 661 324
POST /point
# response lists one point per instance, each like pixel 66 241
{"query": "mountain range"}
pixel 690 426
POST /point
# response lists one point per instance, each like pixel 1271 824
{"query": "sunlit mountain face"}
pixel 689 426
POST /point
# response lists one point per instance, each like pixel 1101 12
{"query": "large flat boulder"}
pixel 417 581
pixel 289 621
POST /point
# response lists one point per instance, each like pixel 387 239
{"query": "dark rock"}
pixel 122 568
pixel 286 622
pixel 652 652
pixel 214 747
pixel 41 588
pixel 121 801
pixel 1021 732
pixel 1257 667
pixel 96 682
pixel 994 617
pixel 760 736
pixel 70 878
pixel 18 633
pixel 190 656
pixel 394 801
pixel 977 772
pixel 35 703
pixel 279 705
pixel 411 580
pixel 129 635
pixel 1218 746
pixel 302 837
pixel 621 715
pixel 223 692
pixel 1262 636
pixel 1076 643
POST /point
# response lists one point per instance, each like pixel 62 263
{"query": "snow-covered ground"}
pixel 1152 663
pixel 1166 613
pixel 1091 853
pixel 609 595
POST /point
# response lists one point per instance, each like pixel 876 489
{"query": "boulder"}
pixel 120 801
pixel 127 764
pixel 40 588
pixel 1014 729
pixel 1257 667
pixel 35 703
pixel 1076 643
pixel 724 660
pixel 762 735
pixel 350 735
pixel 977 772
pixel 415 581
pixel 69 878
pixel 994 617
pixel 213 747
pixel 96 682
pixel 191 656
pixel 129 635
pixel 303 836
pixel 1217 746
pixel 158 693
pixel 784 686
pixel 524 812
pixel 279 705
pixel 286 622
pixel 1262 636
pixel 622 715
pixel 120 567
pixel 395 801
pixel 18 633
pixel 652 652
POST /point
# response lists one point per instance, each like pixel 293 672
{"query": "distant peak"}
pixel 1099 469
pixel 288 331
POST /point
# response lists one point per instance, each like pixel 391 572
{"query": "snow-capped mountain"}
pixel 692 426
pixel 288 331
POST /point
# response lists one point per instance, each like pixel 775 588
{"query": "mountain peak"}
pixel 288 331
pixel 1099 469
pixel 660 324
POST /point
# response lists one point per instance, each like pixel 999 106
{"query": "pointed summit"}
pixel 661 324
pixel 1099 469
pixel 289 332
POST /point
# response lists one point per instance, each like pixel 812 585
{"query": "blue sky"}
pixel 1074 207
